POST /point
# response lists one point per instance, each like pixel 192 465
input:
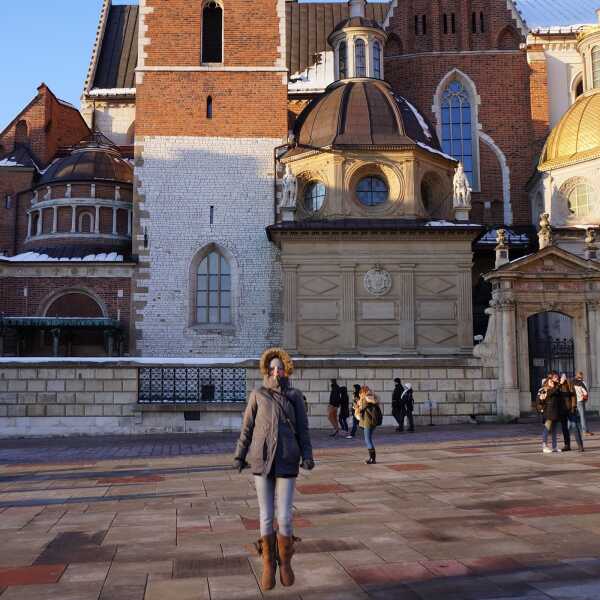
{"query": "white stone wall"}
pixel 115 120
pixel 179 179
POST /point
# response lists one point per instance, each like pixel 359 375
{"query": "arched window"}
pixel 577 87
pixel 212 33
pixel 209 107
pixel 314 196
pixel 596 66
pixel 376 60
pixel 86 222
pixel 360 63
pixel 580 199
pixel 457 136
pixel 21 133
pixel 342 60
pixel 213 290
pixel 372 191
pixel 481 22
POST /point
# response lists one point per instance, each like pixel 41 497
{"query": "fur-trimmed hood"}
pixel 279 353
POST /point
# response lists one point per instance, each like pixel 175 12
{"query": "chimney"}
pixel 357 8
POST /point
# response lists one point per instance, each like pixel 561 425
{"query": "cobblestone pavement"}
pixel 458 513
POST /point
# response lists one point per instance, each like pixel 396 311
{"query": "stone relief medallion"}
pixel 378 281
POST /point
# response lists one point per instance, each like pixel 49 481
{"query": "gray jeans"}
pixel 581 411
pixel 267 489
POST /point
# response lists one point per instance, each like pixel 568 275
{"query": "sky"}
pixel 46 41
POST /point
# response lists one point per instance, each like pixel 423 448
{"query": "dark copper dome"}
pixel 362 112
pixel 89 163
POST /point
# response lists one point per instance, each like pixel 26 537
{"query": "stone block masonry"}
pixel 179 180
pixel 75 397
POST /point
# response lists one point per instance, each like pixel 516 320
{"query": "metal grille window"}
pixel 457 137
pixel 596 67
pixel 314 196
pixel 376 60
pixel 161 385
pixel 580 199
pixel 372 191
pixel 342 60
pixel 213 290
pixel 360 64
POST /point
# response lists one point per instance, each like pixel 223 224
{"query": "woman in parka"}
pixel 366 410
pixel 274 441
pixel 552 412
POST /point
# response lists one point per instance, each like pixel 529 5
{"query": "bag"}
pixel 372 415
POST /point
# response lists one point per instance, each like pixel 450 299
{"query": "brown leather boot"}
pixel 267 549
pixel 285 551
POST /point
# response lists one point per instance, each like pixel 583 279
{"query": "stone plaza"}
pixel 451 512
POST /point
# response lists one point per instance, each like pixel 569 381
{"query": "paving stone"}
pixel 32 575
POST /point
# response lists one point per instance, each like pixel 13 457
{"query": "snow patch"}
pixel 447 224
pixel 434 151
pixel 36 257
pixel 6 162
pixel 420 119
pixel 112 92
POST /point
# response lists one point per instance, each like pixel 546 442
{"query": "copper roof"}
pixel 361 112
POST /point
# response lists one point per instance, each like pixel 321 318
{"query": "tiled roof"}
pixel 118 56
pixel 548 13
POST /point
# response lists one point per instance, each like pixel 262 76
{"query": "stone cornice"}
pixel 66 269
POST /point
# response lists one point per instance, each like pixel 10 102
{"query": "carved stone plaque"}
pixel 378 281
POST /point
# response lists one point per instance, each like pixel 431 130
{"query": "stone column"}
pixel 28 225
pixel 406 333
pixel 290 274
pixel 73 219
pixel 508 392
pixel 593 377
pixel 348 309
pixel 465 311
pixel 40 221
pixel 54 219
pixel 129 222
pixel 97 220
pixel 114 221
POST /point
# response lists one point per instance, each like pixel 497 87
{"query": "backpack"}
pixel 372 415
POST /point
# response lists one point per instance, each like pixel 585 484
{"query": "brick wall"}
pixel 12 181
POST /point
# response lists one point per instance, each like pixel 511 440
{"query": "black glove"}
pixel 308 464
pixel 240 464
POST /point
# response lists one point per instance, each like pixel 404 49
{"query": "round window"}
pixel 372 191
pixel 314 196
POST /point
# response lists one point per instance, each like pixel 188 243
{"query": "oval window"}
pixel 372 191
pixel 314 196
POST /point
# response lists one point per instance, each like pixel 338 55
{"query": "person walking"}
pixel 407 405
pixel 396 410
pixel 581 391
pixel 355 395
pixel 573 417
pixel 332 408
pixel 564 408
pixel 274 441
pixel 368 413
pixel 550 398
pixel 344 408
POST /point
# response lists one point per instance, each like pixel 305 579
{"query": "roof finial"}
pixel 357 8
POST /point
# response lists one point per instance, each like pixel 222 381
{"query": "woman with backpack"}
pixel 369 415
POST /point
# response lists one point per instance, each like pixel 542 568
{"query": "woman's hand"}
pixel 240 464
pixel 308 464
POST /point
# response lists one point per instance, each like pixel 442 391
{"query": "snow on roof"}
pixel 112 92
pixel 6 162
pixel 434 151
pixel 65 103
pixel 36 257
pixel 419 118
pixel 447 224
pixel 552 13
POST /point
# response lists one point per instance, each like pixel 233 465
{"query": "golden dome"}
pixel 576 137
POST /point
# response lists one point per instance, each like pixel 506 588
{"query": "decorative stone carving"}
pixel 290 188
pixel 488 349
pixel 462 194
pixel 501 248
pixel 378 281
pixel 591 249
pixel 545 232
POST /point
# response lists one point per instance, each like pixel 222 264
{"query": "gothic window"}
pixel 481 23
pixel 457 136
pixel 314 196
pixel 445 23
pixel 376 60
pixel 212 33
pixel 342 60
pixel 424 25
pixel 580 199
pixel 596 66
pixel 209 107
pixel 360 64
pixel 474 23
pixel 372 191
pixel 213 290
pixel 453 23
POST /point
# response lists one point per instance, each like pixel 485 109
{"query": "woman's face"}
pixel 276 370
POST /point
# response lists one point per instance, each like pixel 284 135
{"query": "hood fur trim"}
pixel 279 353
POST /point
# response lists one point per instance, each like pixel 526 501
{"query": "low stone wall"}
pixel 64 397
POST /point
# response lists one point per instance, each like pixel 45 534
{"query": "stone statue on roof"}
pixel 462 189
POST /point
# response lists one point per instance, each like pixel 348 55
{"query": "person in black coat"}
pixel 551 400
pixel 344 408
pixel 355 396
pixel 407 405
pixel 332 409
pixel 396 411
